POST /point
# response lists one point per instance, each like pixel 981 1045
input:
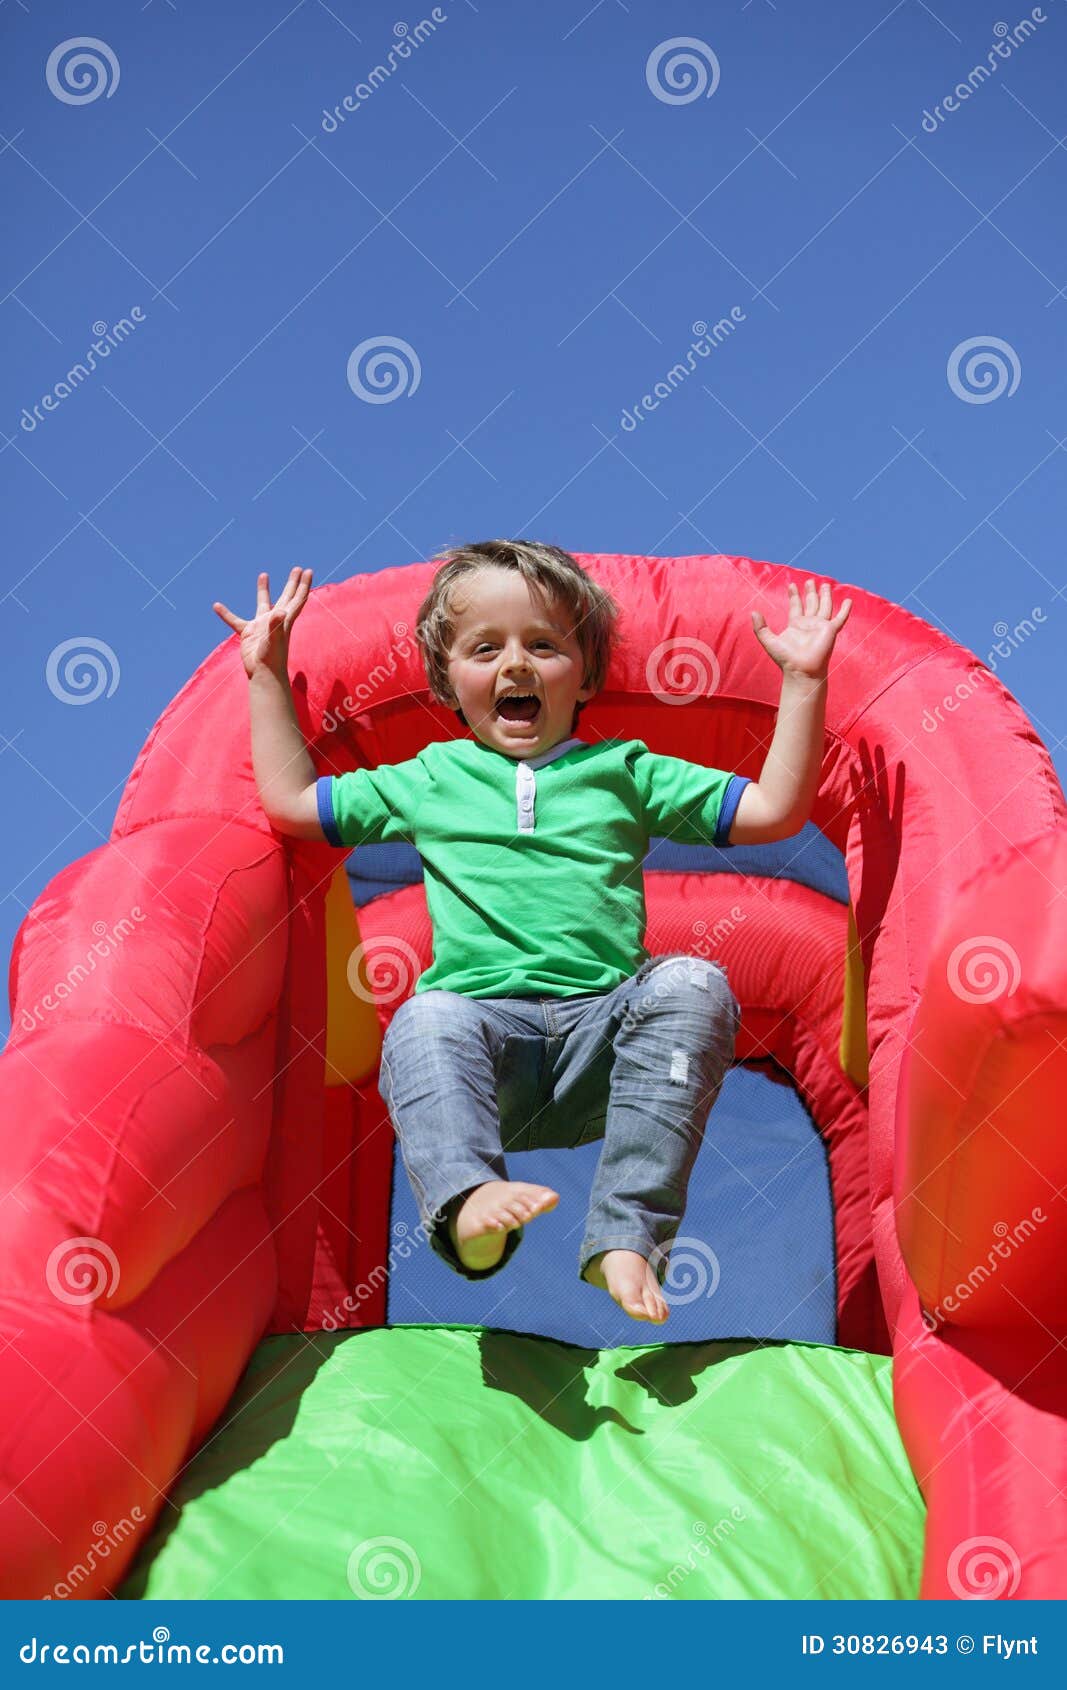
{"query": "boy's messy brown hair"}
pixel 590 608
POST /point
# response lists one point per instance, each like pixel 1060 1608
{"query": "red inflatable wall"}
pixel 179 1179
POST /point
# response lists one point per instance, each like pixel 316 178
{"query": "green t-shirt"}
pixel 533 868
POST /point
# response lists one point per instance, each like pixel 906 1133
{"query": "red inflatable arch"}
pixel 196 1154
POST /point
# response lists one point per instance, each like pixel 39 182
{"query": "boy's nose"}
pixel 517 663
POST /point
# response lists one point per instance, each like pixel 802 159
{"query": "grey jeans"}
pixel 465 1079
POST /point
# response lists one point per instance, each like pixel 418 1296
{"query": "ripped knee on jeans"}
pixel 680 970
pixel 694 970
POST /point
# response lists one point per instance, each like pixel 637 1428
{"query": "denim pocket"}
pixel 591 1130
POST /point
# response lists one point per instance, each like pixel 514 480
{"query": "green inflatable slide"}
pixel 441 1462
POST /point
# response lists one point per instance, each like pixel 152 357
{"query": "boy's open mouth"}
pixel 518 707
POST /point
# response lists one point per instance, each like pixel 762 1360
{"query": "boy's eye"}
pixel 480 648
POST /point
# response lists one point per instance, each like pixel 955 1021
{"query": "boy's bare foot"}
pixel 478 1226
pixel 627 1276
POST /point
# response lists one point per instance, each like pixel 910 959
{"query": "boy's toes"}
pixel 657 1308
pixel 631 1282
pixel 524 1205
pixel 508 1204
pixel 655 1302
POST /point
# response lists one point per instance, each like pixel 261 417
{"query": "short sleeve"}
pixel 371 806
pixel 686 801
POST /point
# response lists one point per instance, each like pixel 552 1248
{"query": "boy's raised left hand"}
pixel 804 645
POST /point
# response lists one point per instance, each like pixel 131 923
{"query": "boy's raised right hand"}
pixel 265 636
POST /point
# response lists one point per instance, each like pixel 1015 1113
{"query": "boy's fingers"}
pixel 263 593
pixel 286 594
pixel 299 597
pixel 232 621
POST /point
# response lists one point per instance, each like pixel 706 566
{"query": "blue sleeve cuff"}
pixel 728 810
pixel 324 800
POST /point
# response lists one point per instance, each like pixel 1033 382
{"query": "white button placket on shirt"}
pixel 526 782
pixel 525 793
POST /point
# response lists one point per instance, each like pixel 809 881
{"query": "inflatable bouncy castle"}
pixel 202 1394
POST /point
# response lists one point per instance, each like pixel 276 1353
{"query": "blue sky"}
pixel 519 203
pixel 516 204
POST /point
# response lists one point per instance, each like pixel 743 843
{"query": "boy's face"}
pixel 510 639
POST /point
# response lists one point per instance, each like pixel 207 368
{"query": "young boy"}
pixel 542 1019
